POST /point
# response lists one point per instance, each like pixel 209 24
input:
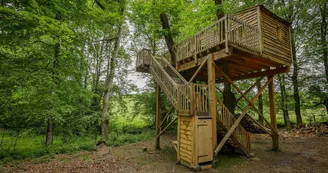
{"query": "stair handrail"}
pixel 240 134
pixel 177 93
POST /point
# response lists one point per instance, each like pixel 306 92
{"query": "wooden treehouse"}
pixel 252 43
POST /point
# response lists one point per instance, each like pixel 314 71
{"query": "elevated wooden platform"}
pixel 254 42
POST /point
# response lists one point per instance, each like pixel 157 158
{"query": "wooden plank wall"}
pixel 249 16
pixel 186 139
pixel 274 47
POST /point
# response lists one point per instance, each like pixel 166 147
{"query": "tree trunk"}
pixel 295 85
pixel 229 98
pixel 50 122
pixel 168 37
pixel 284 107
pixel 219 12
pixel 323 29
pixel 260 104
pixel 3 135
pixel 108 87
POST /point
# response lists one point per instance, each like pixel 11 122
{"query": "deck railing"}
pixel 239 33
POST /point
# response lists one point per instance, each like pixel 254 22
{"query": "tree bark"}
pixel 323 29
pixel 260 104
pixel 168 36
pixel 297 104
pixel 229 98
pixel 283 94
pixel 50 122
pixel 108 87
pixel 219 12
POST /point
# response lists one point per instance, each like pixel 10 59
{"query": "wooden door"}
pixel 204 140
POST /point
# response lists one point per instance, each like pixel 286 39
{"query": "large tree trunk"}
pixel 229 98
pixel 295 85
pixel 50 123
pixel 168 36
pixel 260 104
pixel 284 100
pixel 323 29
pixel 108 87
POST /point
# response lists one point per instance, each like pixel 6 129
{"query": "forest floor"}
pixel 299 153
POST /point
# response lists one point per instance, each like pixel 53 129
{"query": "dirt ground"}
pixel 298 154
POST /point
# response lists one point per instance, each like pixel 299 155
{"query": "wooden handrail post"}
pixel 192 99
pixel 226 34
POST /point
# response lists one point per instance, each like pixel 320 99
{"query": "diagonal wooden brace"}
pixel 249 89
pixel 256 122
pixel 198 70
pixel 236 123
pixel 167 126
pixel 167 115
pixel 247 99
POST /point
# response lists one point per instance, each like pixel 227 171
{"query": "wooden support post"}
pixel 158 116
pixel 212 97
pixel 275 143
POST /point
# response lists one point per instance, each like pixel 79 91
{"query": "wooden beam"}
pixel 259 74
pixel 222 54
pixel 212 98
pixel 255 58
pixel 236 123
pixel 198 70
pixel 275 142
pixel 217 55
pixel 243 62
pixel 158 116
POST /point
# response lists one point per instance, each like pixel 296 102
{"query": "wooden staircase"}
pixel 189 98
pixel 240 139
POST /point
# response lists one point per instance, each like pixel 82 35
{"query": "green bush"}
pixel 117 138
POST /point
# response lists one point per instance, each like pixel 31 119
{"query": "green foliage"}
pixel 130 136
pixel 31 147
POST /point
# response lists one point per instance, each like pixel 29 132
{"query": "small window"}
pixel 279 35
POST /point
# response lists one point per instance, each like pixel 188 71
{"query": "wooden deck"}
pixel 239 34
pixel 254 42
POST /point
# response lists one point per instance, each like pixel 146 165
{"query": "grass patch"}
pixel 229 161
pixel 31 147
pixel 117 138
